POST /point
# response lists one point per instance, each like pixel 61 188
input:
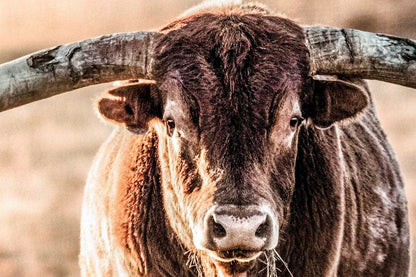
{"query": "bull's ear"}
pixel 133 105
pixel 336 99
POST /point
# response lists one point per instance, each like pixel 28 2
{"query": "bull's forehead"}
pixel 234 50
pixel 234 66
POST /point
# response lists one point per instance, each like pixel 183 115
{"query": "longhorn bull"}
pixel 253 140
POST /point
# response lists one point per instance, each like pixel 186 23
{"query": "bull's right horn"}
pixel 75 65
pixel 361 54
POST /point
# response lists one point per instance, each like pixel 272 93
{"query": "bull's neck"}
pixel 315 228
pixel 154 248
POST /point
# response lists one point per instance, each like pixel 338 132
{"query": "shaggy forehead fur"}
pixel 233 67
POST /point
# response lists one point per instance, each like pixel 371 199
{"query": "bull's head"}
pixel 229 95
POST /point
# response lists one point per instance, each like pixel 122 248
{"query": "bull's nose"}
pixel 249 228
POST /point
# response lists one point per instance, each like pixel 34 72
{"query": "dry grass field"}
pixel 46 148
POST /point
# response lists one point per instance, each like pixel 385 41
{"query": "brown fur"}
pixel 236 86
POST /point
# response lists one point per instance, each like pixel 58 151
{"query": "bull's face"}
pixel 229 168
pixel 230 97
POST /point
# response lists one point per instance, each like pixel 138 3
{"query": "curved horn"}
pixel 75 65
pixel 361 54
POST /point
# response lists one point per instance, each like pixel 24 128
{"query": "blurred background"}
pixel 46 148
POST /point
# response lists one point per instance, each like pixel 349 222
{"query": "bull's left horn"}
pixel 75 65
pixel 361 54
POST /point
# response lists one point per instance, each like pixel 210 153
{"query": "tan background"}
pixel 46 148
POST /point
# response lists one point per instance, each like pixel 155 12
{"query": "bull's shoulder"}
pixel 376 207
pixel 111 183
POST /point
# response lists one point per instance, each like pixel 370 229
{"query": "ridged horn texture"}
pixel 361 54
pixel 75 65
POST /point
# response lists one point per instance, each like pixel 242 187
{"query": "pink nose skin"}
pixel 239 232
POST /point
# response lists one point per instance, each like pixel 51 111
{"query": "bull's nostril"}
pixel 263 230
pixel 218 230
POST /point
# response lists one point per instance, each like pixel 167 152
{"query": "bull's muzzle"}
pixel 239 232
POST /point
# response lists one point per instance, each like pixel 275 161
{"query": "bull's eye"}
pixel 295 121
pixel 170 126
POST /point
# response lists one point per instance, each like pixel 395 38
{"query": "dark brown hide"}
pixel 348 205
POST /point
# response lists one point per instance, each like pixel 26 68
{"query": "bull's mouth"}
pixel 236 262
pixel 235 255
